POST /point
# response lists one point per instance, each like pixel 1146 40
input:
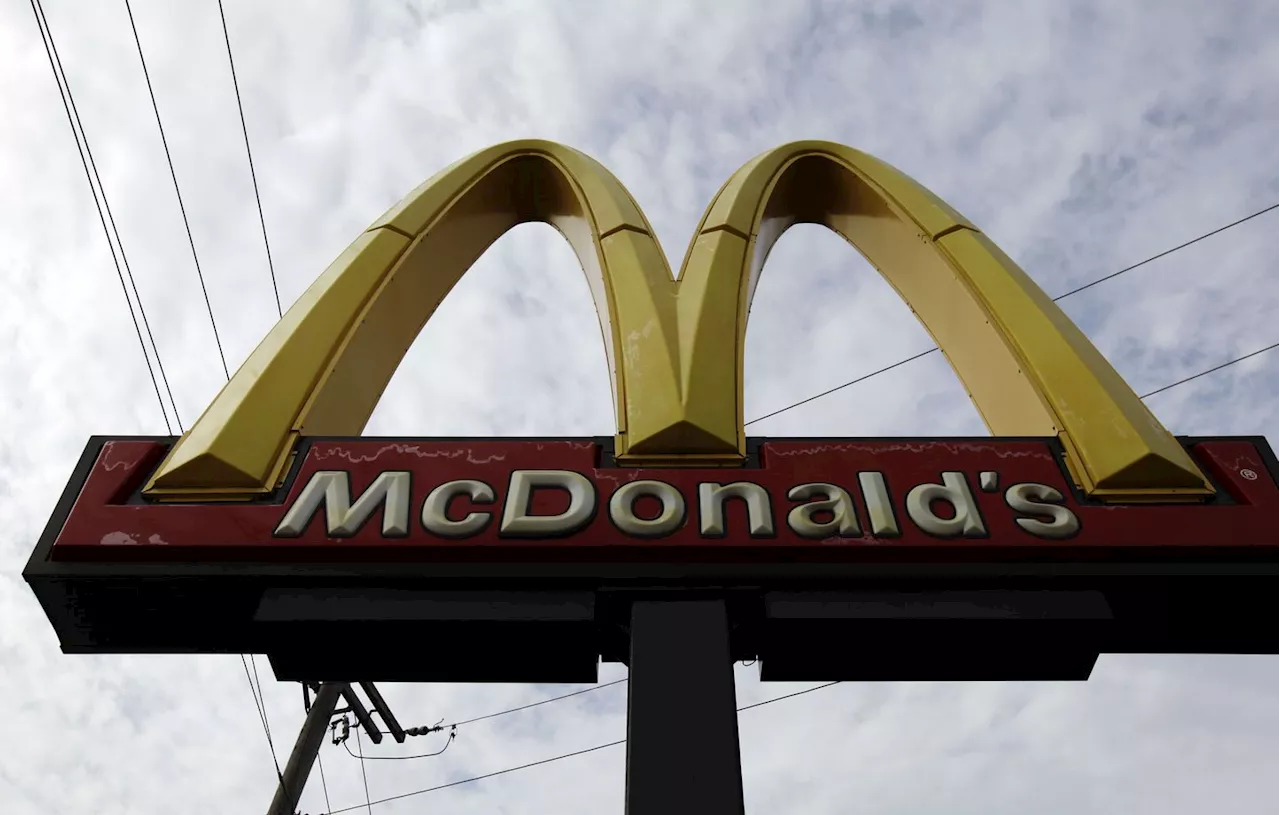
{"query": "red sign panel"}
pixel 381 500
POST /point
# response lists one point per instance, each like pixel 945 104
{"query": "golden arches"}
pixel 675 348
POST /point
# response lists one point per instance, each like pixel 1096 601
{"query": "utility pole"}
pixel 311 736
pixel 305 750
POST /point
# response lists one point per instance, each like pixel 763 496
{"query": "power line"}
pixel 930 351
pixel 1091 284
pixel 788 696
pixel 91 174
pixel 177 191
pixel 260 702
pixel 1214 369
pixel 591 689
pixel 363 774
pixel 830 391
pixel 452 728
pixel 323 784
pixel 549 700
pixel 1169 251
pixel 252 174
pixel 555 758
pixel 452 735
pixel 256 703
pixel 258 697
pixel 482 777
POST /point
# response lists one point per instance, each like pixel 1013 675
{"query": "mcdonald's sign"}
pixel 1081 526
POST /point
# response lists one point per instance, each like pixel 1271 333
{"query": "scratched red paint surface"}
pixel 100 528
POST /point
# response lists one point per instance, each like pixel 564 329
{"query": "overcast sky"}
pixel 1082 137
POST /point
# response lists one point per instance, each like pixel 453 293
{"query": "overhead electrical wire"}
pixel 483 777
pixel 91 175
pixel 260 701
pixel 244 128
pixel 324 785
pixel 432 754
pixel 164 141
pixel 1088 285
pixel 793 695
pixel 258 695
pixel 555 699
pixel 561 757
pixel 865 377
pixel 1214 369
pixel 452 728
pixel 549 700
pixel 543 702
pixel 851 382
pixel 363 774
pixel 120 261
pixel 1167 252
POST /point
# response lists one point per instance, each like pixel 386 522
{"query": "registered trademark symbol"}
pixel 1248 475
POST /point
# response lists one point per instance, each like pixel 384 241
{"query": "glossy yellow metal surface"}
pixel 1029 370
pixel 675 347
pixel 322 370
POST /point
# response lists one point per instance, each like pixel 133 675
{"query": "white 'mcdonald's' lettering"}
pixel 831 500
pixel 435 510
pixel 1049 519
pixel 954 490
pixel 332 489
pixel 669 518
pixel 946 509
pixel 879 508
pixel 711 501
pixel 518 523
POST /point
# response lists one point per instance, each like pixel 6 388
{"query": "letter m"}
pixel 332 489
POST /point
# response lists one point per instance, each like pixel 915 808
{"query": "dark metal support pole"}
pixel 682 723
pixel 384 710
pixel 305 750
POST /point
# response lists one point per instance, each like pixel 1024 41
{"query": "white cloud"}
pixel 1081 137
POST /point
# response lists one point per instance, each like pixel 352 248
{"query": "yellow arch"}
pixel 675 348
pixel 1029 370
pixel 323 367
